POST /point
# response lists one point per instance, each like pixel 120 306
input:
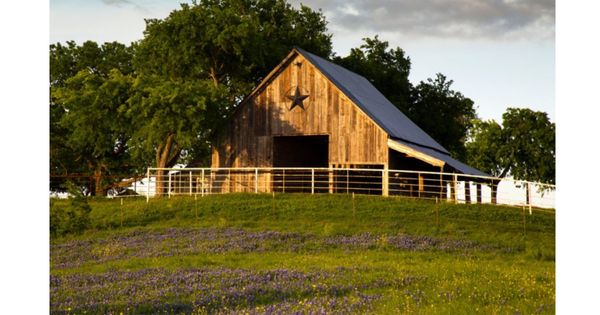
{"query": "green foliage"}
pixel 530 144
pixel 97 131
pixel 88 85
pixel 168 116
pixel 524 146
pixel 484 151
pixel 95 121
pixel 70 217
pixel 231 42
pixel 62 157
pixel 69 59
pixel 446 115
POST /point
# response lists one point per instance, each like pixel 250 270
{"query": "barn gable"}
pixel 362 126
pixel 248 141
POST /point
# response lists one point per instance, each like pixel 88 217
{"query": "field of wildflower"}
pixel 303 254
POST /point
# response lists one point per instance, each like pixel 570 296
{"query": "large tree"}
pixel 197 64
pixel 172 117
pixel 523 146
pixel 446 115
pixel 96 129
pixel 81 103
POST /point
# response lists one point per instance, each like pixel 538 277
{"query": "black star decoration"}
pixel 297 99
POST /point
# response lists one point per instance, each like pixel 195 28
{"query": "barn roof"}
pixel 399 127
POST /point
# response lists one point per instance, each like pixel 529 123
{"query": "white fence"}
pixel 415 184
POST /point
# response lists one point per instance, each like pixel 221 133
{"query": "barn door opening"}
pixel 300 151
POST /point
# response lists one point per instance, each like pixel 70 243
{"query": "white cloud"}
pixel 121 3
pixel 500 19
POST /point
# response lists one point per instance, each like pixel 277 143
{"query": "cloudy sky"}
pixel 500 53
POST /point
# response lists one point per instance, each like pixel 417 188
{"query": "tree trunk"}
pixel 213 75
pixel 495 184
pixel 166 156
pixel 98 189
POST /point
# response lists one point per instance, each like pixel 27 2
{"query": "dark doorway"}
pixel 300 151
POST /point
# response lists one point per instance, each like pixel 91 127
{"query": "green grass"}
pixel 511 270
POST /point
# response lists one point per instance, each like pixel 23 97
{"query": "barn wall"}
pixel 353 137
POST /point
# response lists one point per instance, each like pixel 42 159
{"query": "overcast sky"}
pixel 500 53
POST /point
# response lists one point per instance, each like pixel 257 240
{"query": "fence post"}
pixel 269 182
pixel 347 180
pixel 455 184
pixel 256 180
pixel 121 211
pixel 441 183
pixel 148 185
pixel 385 178
pixel 169 186
pixel 529 196
pixel 191 183
pixel 312 181
pixel 202 184
pixel 467 191
pixel 331 179
pixel 211 178
pixel 420 186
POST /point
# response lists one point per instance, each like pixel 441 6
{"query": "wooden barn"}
pixel 310 112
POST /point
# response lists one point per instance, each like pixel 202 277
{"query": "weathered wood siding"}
pixel 353 137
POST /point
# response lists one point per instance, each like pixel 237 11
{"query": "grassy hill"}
pixel 245 253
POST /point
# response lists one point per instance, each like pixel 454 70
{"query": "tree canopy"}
pixel 87 133
pixel 523 146
pixel 446 115
pixel 231 42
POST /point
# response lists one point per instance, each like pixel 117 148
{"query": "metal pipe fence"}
pixel 457 188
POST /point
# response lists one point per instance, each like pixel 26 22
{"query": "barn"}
pixel 311 113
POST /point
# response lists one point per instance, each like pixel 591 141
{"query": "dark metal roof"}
pixel 384 113
pixel 373 103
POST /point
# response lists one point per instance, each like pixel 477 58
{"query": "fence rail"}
pixel 452 187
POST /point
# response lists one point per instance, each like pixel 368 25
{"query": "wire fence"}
pixel 457 188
